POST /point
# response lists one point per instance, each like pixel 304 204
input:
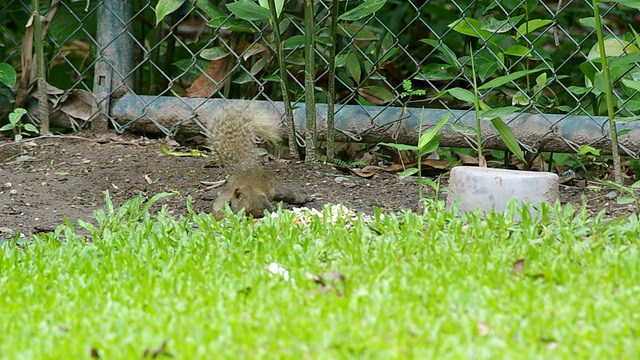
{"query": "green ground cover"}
pixel 439 286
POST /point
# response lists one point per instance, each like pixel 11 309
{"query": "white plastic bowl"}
pixel 491 189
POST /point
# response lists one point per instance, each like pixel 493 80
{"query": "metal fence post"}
pixel 114 67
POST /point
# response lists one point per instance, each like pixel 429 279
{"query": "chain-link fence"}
pixel 149 66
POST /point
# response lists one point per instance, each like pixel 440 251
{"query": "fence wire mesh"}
pixel 539 57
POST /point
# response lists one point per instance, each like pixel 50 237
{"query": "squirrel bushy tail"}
pixel 233 134
pixel 232 137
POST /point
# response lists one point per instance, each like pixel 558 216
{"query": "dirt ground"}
pixel 47 180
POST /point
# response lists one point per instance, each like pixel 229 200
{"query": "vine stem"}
pixel 293 144
pixel 608 94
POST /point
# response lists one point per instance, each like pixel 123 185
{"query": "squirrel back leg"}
pixel 285 194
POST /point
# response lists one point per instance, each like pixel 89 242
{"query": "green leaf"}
pixel 357 32
pixel 531 26
pixel 71 17
pixel 625 199
pixel 278 3
pixel 598 83
pixel 449 56
pixel 7 127
pixel 294 41
pixel 487 70
pixel 630 3
pixel 491 24
pixel 427 136
pixel 353 67
pixel 166 7
pixel 231 24
pixel 541 82
pixel 435 72
pixel 507 137
pixel 631 58
pixel 15 117
pixel 463 129
pixel 431 146
pixel 399 146
pixel 20 112
pixel 7 75
pixel 470 27
pixel 407 172
pixel 462 95
pixel 633 84
pixel 243 78
pixel 520 98
pixel 586 149
pixel 208 7
pixel 499 81
pixel 588 22
pixel 248 10
pixel 578 90
pixel 273 77
pixel 365 9
pixel 497 112
pixel 214 53
pixel 154 199
pixel 31 128
pixel 387 55
pixel 613 47
pixel 518 50
pixel 380 93
pixel 589 70
pixel 341 59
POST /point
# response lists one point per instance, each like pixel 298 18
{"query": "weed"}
pixel 17 126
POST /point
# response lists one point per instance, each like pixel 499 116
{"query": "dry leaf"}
pixel 483 329
pixel 78 104
pixel 468 159
pixel 212 80
pixel 157 352
pixel 482 162
pixel 370 96
pixel 367 172
pixel 332 280
pixel 518 268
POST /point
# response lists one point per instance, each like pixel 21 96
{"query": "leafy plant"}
pixel 349 164
pixel 427 143
pixel 409 91
pixel 631 194
pixel 485 112
pixel 17 126
pixel 159 272
pixel 8 79
pixel 601 80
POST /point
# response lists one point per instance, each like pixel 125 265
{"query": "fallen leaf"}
pixel 157 352
pixel 483 329
pixel 332 280
pixel 212 80
pixel 366 173
pixel 372 97
pixel 468 159
pixel 78 103
pixel 518 268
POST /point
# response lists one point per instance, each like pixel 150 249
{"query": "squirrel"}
pixel 232 135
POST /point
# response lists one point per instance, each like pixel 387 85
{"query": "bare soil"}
pixel 47 180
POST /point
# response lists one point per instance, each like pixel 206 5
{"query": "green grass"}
pixel 439 286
